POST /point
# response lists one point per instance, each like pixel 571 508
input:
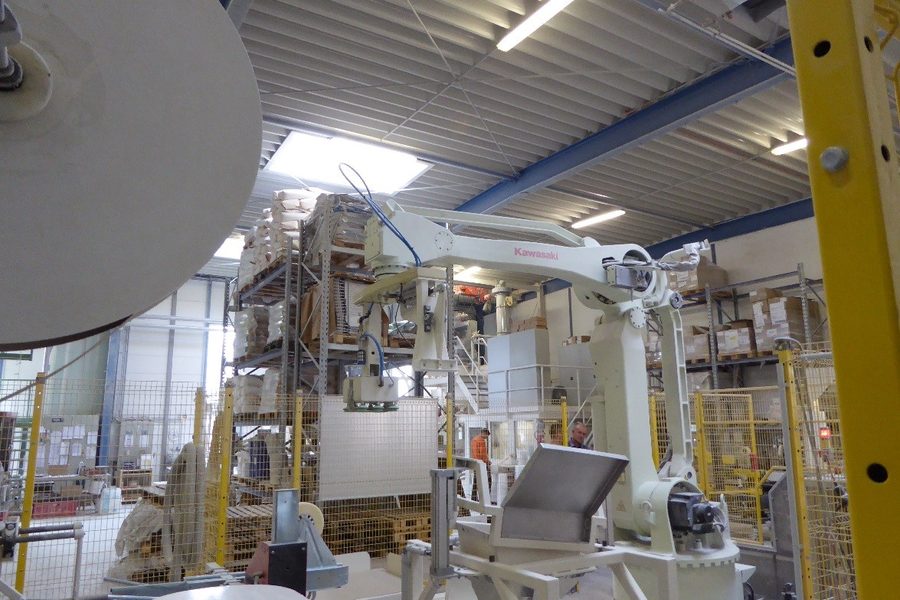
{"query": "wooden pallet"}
pixel 700 295
pixel 697 361
pixel 399 342
pixel 737 356
pixel 349 244
pixel 403 521
pixel 259 484
pixel 343 338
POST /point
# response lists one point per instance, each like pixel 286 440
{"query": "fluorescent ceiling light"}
pixel 231 248
pixel 314 161
pixel 790 147
pixel 548 10
pixel 598 219
pixel 467 274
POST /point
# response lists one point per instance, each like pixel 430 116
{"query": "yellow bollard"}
pixel 224 476
pixel 34 438
pixel 199 410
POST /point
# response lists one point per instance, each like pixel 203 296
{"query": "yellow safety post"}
pixel 785 357
pixel 297 443
pixel 754 451
pixel 451 430
pixel 34 439
pixel 224 476
pixel 564 408
pixel 856 194
pixel 654 433
pixel 702 458
pixel 199 409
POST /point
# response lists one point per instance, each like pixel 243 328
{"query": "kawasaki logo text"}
pixel 536 254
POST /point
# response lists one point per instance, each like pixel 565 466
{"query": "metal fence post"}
pixel 297 444
pixel 787 412
pixel 451 426
pixel 786 359
pixel 224 476
pixel 34 437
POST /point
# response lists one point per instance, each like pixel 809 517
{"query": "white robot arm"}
pixel 663 513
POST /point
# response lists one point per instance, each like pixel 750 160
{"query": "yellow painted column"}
pixel 564 409
pixel 199 409
pixel 224 476
pixel 853 170
pixel 654 432
pixel 34 438
pixel 785 357
pixel 703 457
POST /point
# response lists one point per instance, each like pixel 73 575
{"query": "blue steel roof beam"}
pixel 684 105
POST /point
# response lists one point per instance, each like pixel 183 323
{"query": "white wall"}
pixel 773 250
pixel 23 369
pixel 148 375
pixel 148 339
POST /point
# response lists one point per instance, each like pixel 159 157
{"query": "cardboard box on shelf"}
pixel 736 338
pixel 764 293
pixel 696 344
pixel 790 308
pixel 705 274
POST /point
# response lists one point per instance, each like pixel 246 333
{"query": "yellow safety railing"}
pixel 34 437
pixel 658 432
pixel 819 475
pixel 739 447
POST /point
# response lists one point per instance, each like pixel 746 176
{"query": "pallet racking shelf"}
pixel 714 300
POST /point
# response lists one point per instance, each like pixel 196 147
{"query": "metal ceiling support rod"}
pixel 10 34
pixel 727 40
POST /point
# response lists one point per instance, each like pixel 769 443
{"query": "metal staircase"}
pixel 471 376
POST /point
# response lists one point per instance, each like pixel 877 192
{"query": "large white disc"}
pixel 124 185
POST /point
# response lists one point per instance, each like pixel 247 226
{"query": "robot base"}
pixel 709 576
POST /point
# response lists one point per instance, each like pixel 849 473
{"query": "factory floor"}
pixel 374 581
pixel 50 565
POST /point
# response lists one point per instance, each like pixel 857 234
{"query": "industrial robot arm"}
pixel 618 280
pixel 663 513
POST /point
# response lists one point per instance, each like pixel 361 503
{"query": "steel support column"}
pixel 856 192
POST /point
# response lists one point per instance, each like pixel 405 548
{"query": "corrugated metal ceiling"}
pixel 425 75
pixel 716 168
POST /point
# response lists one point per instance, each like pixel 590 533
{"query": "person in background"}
pixel 578 435
pixel 478 449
